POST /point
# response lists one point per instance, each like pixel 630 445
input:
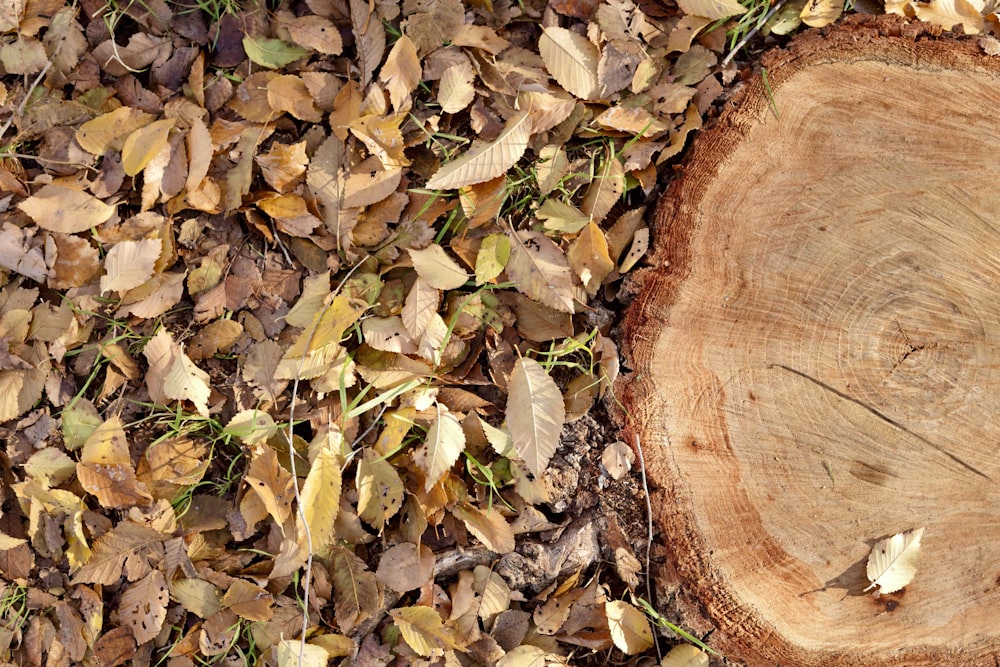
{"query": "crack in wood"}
pixel 884 417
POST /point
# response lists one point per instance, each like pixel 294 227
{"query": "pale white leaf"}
pixel 172 374
pixel 685 655
pixel 712 9
pixel 617 459
pixel 572 61
pixel 130 264
pixel 821 13
pixel 535 414
pixel 444 444
pixel 893 561
pixel 419 308
pixel 487 160
pixel 437 269
pixel 629 627
pixel 949 13
pixel 293 653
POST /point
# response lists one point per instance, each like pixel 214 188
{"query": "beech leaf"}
pixel 535 414
pixel 572 61
pixel 486 161
pixel 893 561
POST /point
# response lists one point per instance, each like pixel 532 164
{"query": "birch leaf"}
pixel 893 561
pixel 712 9
pixel 535 414
pixel 444 444
pixel 540 271
pixel 486 161
pixel 320 497
pixel 130 264
pixel 572 61
pixel 629 627
pixel 685 655
pixel 437 269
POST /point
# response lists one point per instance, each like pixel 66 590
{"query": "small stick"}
pixel 649 534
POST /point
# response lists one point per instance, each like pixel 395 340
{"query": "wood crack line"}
pixel 887 419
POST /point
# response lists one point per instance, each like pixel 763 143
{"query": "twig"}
pixel 649 533
pixel 750 35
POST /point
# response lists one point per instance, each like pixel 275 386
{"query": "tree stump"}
pixel 816 355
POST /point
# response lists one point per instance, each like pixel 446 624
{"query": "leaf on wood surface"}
pixel 712 9
pixel 540 271
pixel 685 655
pixel 109 131
pixel 437 269
pixel 272 53
pixel 143 606
pixel 893 561
pixel 630 629
pixel 401 72
pixel 130 264
pixel 380 490
pixel 489 526
pixel 535 414
pixel 445 442
pixel 423 630
pixel 293 653
pixel 948 14
pixel 105 468
pixel 486 161
pixel 406 567
pixel 143 144
pixel 172 375
pixel 58 208
pixel 571 59
pixel 821 13
pixel 320 497
pixel 355 589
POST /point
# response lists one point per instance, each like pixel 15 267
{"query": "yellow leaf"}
pixel 58 208
pixel 320 496
pixel 572 61
pixel 489 526
pixel 605 190
pixel 685 655
pixel 197 596
pixel 380 490
pixel 130 264
pixel 821 13
pixel 318 349
pixel 949 13
pixel 535 414
pixel 293 653
pixel 109 131
pixel 893 561
pixel 630 629
pixel 401 72
pixel 105 468
pixel 288 93
pixel 423 630
pixel 143 144
pixel 588 255
pixel 486 160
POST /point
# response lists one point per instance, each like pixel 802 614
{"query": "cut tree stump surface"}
pixel 816 355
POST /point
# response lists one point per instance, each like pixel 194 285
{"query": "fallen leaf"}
pixel 445 442
pixel 712 9
pixel 406 567
pixel 105 468
pixel 401 72
pixel 320 496
pixel 486 161
pixel 489 526
pixel 892 562
pixel 437 269
pixel 272 53
pixel 821 13
pixel 535 414
pixel 109 131
pixel 540 271
pixel 630 629
pixel 617 458
pixel 294 653
pixel 58 208
pixel 571 60
pixel 423 630
pixel 355 589
pixel 143 606
pixel 142 145
pixel 129 264
pixel 172 375
pixel 685 655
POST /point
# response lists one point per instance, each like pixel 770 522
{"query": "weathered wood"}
pixel 816 355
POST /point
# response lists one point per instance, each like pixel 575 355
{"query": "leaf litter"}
pixel 300 310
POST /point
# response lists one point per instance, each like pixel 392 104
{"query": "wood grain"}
pixel 816 355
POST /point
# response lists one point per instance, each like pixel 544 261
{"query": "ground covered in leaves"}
pixel 307 315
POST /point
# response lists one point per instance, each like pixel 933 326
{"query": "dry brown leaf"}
pixel 945 13
pixel 605 190
pixel 105 468
pixel 143 606
pixel 271 483
pixel 288 94
pixel 316 33
pixel 571 60
pixel 588 255
pixel 380 489
pixel 489 526
pixel 248 601
pixel 401 72
pixel 369 36
pixel 172 375
pixel 424 631
pixel 535 414
pixel 712 9
pixel 355 590
pixel 444 444
pixel 437 269
pixel 630 629
pixel 406 567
